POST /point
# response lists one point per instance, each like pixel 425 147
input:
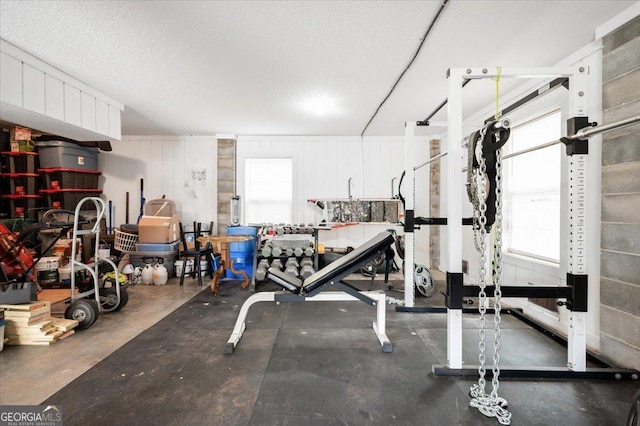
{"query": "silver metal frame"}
pixel 378 298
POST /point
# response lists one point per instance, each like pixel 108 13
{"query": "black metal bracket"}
pixel 353 291
pixel 577 302
pixel 575 292
pixel 454 294
pixel 576 146
pixel 409 224
pixel 466 221
pixel 541 373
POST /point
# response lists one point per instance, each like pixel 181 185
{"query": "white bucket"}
pixel 104 251
pixel 65 273
pixel 204 266
pixel 47 270
pixel 178 267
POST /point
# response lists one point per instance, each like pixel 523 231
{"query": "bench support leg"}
pixel 240 326
pixel 379 327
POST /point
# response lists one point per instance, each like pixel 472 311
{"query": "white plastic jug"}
pixel 160 273
pixel 147 274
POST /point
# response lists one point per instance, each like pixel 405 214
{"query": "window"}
pixel 269 190
pixel 532 190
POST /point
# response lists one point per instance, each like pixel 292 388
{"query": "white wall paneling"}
pixel 166 164
pixel 322 168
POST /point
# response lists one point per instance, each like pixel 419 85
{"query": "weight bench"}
pixel 329 277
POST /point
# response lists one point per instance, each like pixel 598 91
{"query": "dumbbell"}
pixel 291 270
pixel 276 263
pixel 288 252
pixel 308 251
pixel 266 250
pixel 307 270
pixel 297 252
pixel 276 251
pixel 292 261
pixel 307 261
pixel 261 269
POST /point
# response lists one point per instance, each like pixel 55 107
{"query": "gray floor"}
pixel 297 363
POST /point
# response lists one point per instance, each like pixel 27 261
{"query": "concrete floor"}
pixel 53 367
pixel 301 363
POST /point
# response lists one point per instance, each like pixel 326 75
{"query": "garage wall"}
pixel 322 168
pixel 620 247
pixel 183 168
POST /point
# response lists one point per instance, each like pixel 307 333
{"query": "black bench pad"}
pixel 336 270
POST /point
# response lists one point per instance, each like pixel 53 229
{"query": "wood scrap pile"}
pixel 32 324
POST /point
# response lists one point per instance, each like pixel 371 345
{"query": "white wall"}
pixel 322 168
pixel 166 164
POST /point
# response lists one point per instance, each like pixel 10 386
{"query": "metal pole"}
pixel 434 158
pixel 592 131
pixel 425 122
pixel 587 132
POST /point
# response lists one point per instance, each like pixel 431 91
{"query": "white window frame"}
pixel 508 250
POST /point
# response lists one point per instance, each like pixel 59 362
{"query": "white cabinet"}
pixel 53 97
pixel 88 109
pixel 32 89
pixel 72 108
pixel 102 117
pixel 34 94
pixel 10 79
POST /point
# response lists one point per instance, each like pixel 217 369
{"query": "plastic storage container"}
pixel 14 293
pixel 68 198
pixel 61 178
pixel 23 206
pixel 170 247
pixel 67 155
pixel 22 162
pixel 23 183
pixel 242 246
pixel 241 253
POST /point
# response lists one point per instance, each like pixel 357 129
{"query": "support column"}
pixel 454 210
pixel 226 182
pixel 409 199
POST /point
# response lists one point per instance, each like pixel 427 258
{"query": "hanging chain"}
pixel 490 405
pixel 481 191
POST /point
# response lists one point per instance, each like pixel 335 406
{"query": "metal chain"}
pixel 491 405
pixel 481 191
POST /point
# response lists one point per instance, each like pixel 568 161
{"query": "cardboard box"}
pixel 20 134
pixel 159 229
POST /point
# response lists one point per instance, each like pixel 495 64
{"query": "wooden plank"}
pixel 64 324
pixel 30 306
pixel 24 321
pixel 31 313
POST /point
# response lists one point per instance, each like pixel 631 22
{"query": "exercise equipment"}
pixel 575 238
pixel 312 288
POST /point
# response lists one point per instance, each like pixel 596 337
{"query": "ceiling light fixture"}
pixel 318 105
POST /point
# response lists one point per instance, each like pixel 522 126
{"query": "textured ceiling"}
pixel 240 67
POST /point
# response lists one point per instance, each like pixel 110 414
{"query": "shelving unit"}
pixel 284 242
